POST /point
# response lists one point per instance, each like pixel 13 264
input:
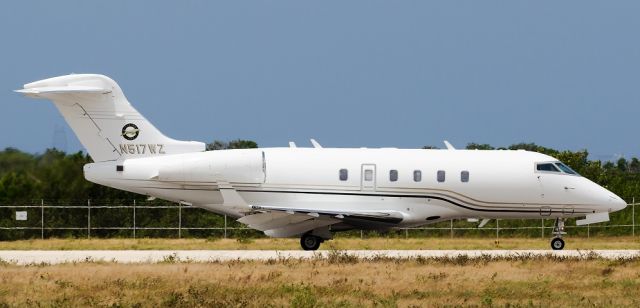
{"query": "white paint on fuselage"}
pixel 502 184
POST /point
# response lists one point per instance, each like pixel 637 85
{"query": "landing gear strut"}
pixel 557 243
pixel 310 242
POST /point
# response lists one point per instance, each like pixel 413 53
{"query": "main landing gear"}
pixel 310 242
pixel 557 243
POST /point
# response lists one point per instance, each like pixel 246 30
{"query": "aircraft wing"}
pixel 286 222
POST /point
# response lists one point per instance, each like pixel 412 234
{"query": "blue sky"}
pixel 563 74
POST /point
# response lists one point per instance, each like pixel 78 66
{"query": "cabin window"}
pixel 547 167
pixel 440 176
pixel 393 175
pixel 417 175
pixel 368 175
pixel 344 174
pixel 464 176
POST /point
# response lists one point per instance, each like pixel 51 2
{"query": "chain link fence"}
pixel 133 219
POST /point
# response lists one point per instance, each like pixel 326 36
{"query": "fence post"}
pixel 497 229
pixel 225 226
pixel 451 228
pixel 633 216
pixel 542 228
pixel 406 233
pixel 588 230
pixel 42 218
pixel 361 234
pixel 88 218
pixel 134 218
pixel 179 219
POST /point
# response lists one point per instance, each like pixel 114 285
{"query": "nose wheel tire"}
pixel 310 242
pixel 557 243
pixel 558 231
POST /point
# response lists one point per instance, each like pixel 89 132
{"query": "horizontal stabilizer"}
pixel 44 91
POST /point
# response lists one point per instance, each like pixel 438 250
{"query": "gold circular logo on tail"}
pixel 130 131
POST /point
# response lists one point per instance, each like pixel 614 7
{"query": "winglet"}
pixel 315 144
pixel 448 145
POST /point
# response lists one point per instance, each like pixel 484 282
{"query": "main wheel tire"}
pixel 310 242
pixel 557 243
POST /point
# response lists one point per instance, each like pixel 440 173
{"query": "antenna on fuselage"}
pixel 315 144
pixel 292 144
pixel 448 145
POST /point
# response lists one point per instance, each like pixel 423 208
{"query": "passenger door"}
pixel 368 177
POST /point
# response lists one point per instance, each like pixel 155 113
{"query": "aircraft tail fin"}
pixel 103 119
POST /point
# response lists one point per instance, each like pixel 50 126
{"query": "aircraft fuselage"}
pixel 424 186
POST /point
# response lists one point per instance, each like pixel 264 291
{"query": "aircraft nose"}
pixel 605 199
pixel 616 203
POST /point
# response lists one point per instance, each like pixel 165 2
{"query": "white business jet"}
pixel 313 192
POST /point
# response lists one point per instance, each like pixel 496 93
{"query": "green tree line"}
pixel 56 178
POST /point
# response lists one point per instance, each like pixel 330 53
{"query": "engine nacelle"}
pixel 233 166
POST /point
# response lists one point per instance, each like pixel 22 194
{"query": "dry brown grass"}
pixel 339 243
pixel 337 281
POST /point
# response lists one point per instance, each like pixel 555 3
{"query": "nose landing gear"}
pixel 557 243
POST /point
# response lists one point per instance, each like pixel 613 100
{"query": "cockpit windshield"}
pixel 566 168
pixel 547 167
pixel 555 167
